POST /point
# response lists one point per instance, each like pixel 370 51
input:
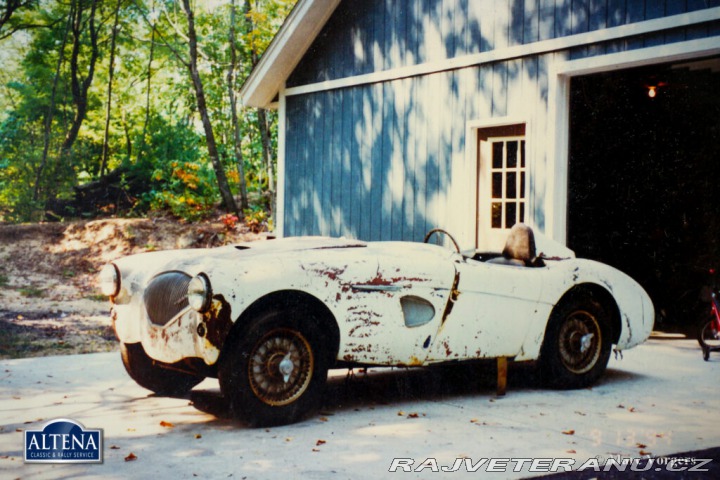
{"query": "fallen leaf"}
pixel 413 415
pixel 621 406
pixel 641 445
pixel 571 451
pixel 569 432
pixel 166 424
pixel 580 413
pixel 631 409
pixel 474 420
pixel 323 419
pixel 130 458
pixel 197 435
pixel 320 442
pixel 114 447
pixel 401 413
pixel 644 453
pixel 315 449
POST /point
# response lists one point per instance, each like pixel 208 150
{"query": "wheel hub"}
pixel 580 342
pixel 586 342
pixel 280 367
pixel 286 367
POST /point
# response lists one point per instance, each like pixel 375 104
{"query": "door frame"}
pixel 560 74
pixel 464 221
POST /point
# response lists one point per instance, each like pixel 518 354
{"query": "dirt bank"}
pixel 49 304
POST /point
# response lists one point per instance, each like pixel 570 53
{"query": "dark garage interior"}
pixel 643 179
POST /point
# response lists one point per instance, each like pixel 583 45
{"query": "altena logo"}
pixel 63 441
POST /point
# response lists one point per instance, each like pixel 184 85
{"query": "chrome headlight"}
pixel 109 280
pixel 199 293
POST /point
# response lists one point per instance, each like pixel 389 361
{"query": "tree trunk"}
pixel 225 192
pixel 267 153
pixel 143 137
pixel 261 115
pixel 108 110
pixel 237 146
pixel 51 111
pixel 78 87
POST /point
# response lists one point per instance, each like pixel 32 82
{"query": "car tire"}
pixel 577 344
pixel 275 371
pixel 148 374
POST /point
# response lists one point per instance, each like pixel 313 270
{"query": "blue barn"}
pixel 590 120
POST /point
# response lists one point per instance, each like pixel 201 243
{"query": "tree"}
pixel 108 106
pixel 9 21
pixel 126 106
pixel 259 30
pixel 192 64
pixel 237 143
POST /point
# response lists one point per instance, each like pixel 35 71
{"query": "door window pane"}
pixel 507 182
pixel 512 154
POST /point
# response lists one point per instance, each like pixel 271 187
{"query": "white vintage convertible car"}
pixel 269 318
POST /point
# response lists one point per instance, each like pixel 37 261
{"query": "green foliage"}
pixel 257 220
pixel 154 134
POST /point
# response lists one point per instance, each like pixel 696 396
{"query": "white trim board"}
pixel 279 214
pixel 556 200
pixel 286 50
pixel 517 51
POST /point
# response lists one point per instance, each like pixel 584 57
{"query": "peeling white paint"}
pixel 482 310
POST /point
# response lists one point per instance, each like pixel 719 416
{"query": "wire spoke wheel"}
pixel 275 368
pixel 280 367
pixel 577 343
pixel 580 340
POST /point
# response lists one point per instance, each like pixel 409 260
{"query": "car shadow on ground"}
pixel 355 389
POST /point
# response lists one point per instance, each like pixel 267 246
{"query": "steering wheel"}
pixel 444 232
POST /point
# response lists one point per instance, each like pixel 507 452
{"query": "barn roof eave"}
pixel 292 41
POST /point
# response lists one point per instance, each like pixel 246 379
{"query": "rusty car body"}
pixel 269 318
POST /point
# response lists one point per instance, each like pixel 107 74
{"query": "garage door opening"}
pixel 644 178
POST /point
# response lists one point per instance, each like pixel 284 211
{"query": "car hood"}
pixel 153 262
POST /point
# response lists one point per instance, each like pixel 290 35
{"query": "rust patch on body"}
pixel 448 352
pixel 218 321
pixel 454 294
pixel 380 280
pixel 331 273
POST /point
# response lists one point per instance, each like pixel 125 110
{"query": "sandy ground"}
pixel 49 302
pixel 658 400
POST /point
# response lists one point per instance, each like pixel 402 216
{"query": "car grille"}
pixel 166 296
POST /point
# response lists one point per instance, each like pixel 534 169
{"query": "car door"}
pixel 392 315
pixel 494 305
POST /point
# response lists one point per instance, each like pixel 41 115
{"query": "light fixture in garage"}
pixel 654 88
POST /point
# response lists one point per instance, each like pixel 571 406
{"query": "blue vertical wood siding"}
pixel 374 161
pixel 365 36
